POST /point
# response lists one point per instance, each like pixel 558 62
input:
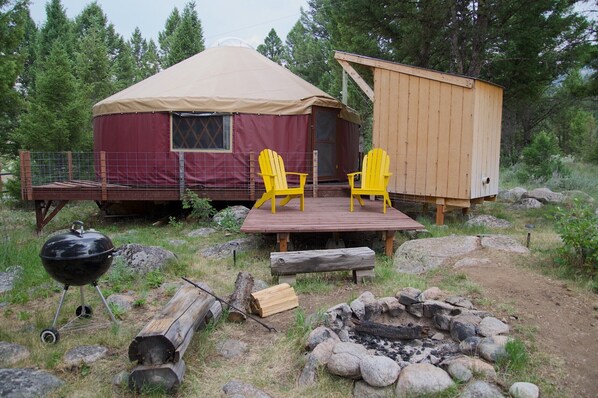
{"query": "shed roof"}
pixel 223 79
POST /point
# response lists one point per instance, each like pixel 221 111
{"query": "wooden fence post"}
pixel 69 159
pixel 103 175
pixel 315 173
pixel 181 175
pixel 251 176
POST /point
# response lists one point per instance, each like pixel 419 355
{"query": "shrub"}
pixel 578 228
pixel 541 159
pixel 228 222
pixel 201 208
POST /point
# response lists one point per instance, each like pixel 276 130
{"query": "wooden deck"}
pixel 328 215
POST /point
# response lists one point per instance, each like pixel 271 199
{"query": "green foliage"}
pixel 154 279
pixel 517 358
pixel 228 222
pixel 182 37
pixel 173 222
pixel 201 208
pixel 541 159
pixel 120 276
pixel 578 228
pixel 273 48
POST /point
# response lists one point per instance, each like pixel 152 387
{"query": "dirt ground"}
pixel 562 322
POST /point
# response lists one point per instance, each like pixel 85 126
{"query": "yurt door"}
pixel 325 134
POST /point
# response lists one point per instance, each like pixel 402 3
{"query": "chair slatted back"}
pixel 272 163
pixel 375 165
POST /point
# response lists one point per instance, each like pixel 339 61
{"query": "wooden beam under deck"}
pixel 328 215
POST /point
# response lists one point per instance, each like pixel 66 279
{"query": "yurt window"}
pixel 193 131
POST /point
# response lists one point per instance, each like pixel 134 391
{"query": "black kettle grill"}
pixel 76 258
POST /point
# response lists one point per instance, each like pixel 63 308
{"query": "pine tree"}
pixel 53 122
pixel 165 37
pixel 187 38
pixel 150 62
pixel 123 67
pixel 56 28
pixel 273 48
pixel 145 55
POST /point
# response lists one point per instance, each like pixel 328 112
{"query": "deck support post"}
pixel 389 238
pixel 283 239
pixel 440 210
pixel 42 207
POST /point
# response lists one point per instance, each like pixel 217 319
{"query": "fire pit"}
pixel 76 258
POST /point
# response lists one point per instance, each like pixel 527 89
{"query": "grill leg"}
pixel 66 288
pixel 82 298
pixel 95 284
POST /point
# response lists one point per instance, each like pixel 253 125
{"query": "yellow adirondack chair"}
pixel 275 181
pixel 374 177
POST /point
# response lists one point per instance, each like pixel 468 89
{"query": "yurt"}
pixel 200 122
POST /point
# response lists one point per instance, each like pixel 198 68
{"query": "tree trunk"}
pixel 240 297
pixel 167 377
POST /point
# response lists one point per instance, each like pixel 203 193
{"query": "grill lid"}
pixel 76 244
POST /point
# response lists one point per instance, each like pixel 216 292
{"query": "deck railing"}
pixel 153 171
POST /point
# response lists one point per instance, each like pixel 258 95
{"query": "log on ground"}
pixel 300 262
pixel 167 377
pixel 273 300
pixel 400 332
pixel 166 337
pixel 239 300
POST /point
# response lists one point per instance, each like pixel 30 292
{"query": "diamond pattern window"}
pixel 201 131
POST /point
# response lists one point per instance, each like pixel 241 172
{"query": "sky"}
pixel 249 20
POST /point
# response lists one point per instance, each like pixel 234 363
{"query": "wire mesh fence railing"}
pixel 153 170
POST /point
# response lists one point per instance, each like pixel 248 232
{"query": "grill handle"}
pixel 77 227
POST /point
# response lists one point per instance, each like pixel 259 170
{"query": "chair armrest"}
pixel 296 174
pixel 351 177
pixel 302 177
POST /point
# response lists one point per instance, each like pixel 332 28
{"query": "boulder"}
pixel 11 353
pixel 379 371
pixel 409 296
pixel 226 249
pixel 491 326
pixel 433 307
pixel 503 243
pixel 422 378
pixel 431 293
pixel 474 365
pixel 571 196
pixel 364 390
pixel 319 335
pixel 237 213
pixel 231 348
pixel 336 317
pixel 491 351
pixel 527 203
pixel 143 259
pixel 463 326
pixel 201 232
pixel 488 221
pixel 459 372
pixel 544 195
pixel 469 346
pixel 524 390
pixel 323 351
pixel 345 360
pixel 471 262
pixel 9 277
pixel 308 374
pixel 27 383
pixel 238 389
pixel 391 306
pixel 511 195
pixel 84 355
pixel 481 389
pixel 459 301
pixel 416 310
pixel 421 255
pixel 442 321
pixel 122 301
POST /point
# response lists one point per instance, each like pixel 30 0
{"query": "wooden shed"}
pixel 442 132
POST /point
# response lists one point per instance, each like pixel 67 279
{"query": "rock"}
pixel 481 389
pixel 122 301
pixel 11 353
pixel 336 317
pixel 432 293
pixel 391 306
pixel 420 379
pixel 442 321
pixel 379 371
pixel 438 336
pixel 84 355
pixel 308 374
pixel 491 326
pixel 491 351
pixel 474 365
pixel 364 390
pixel 433 307
pixel 345 360
pixel 343 334
pixel 459 372
pixel 358 308
pixel 511 195
pixel 177 242
pixel 488 221
pixel 9 277
pixel 471 262
pixel 238 389
pixel 231 348
pixel 416 309
pixel 323 351
pixel 27 383
pixel 143 259
pixel 464 326
pixel 469 346
pixel 318 335
pixel 238 213
pixel 503 243
pixel 569 197
pixel 258 285
pixel 409 296
pixel 524 390
pixel 226 249
pixel 201 232
pixel 460 302
pixel 544 195
pixel 421 255
pixel 121 379
pixel 528 203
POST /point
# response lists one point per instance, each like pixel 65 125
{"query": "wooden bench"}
pixel 286 265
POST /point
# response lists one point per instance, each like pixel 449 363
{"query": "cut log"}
pixel 166 337
pixel 407 332
pixel 240 297
pixel 273 300
pixel 213 316
pixel 167 377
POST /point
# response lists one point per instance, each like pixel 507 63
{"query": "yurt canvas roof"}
pixel 222 79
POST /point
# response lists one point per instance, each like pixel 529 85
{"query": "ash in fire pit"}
pixel 419 331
